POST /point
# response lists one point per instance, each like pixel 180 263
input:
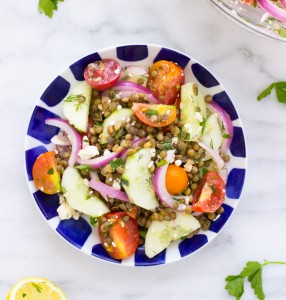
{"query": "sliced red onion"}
pixel 94 175
pixel 159 182
pixel 227 123
pixel 99 162
pixel 108 190
pixel 273 10
pixel 72 134
pixel 283 2
pixel 218 160
pixel 133 144
pixel 126 88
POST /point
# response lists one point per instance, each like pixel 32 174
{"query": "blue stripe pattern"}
pixel 223 100
pixel 188 246
pixel 204 76
pixel 235 183
pixel 31 156
pixel 132 53
pixel 237 147
pixel 217 225
pixel 99 252
pixel 142 260
pixel 171 55
pixel 48 204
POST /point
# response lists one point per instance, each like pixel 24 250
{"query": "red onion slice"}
pixel 127 88
pixel 227 123
pixel 159 182
pixel 72 134
pixel 108 190
pixel 133 144
pixel 218 160
pixel 94 175
pixel 99 162
pixel 283 2
pixel 273 10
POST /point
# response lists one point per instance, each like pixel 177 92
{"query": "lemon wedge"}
pixel 35 289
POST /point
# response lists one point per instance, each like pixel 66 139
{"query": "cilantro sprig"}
pixel 48 6
pixel 280 88
pixel 253 272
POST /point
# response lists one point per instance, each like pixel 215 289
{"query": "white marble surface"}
pixel 33 49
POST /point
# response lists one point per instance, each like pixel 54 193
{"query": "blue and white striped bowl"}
pixel 80 233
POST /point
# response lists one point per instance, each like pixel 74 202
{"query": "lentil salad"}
pixel 147 130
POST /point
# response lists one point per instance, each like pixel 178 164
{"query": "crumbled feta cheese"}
pixel 188 167
pixel 88 152
pixel 119 106
pixel 198 116
pixel 168 112
pixel 106 152
pixel 133 123
pixel 153 152
pixel 110 179
pixel 178 162
pixel 117 71
pixel 175 140
pixel 151 163
pixel 112 123
pixel 128 120
pixel 85 142
pixel 116 185
pixel 60 140
pixel 65 212
pixel 170 158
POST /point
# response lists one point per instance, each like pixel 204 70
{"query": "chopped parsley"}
pixel 116 163
pixel 162 162
pixel 226 135
pixel 120 133
pixel 213 188
pixel 51 171
pixel 167 146
pixel 48 6
pixel 83 168
pixel 280 88
pixel 125 181
pixel 204 171
pixel 212 144
pixel 151 112
pixel 93 221
pixel 282 32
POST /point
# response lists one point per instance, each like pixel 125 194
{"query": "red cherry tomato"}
pixel 210 194
pixel 249 2
pixel 45 174
pixel 118 234
pixel 155 115
pixel 165 80
pixel 102 74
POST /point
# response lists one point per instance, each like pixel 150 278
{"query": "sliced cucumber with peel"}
pixel 75 111
pixel 212 134
pixel 161 234
pixel 118 115
pixel 77 195
pixel 193 110
pixel 136 180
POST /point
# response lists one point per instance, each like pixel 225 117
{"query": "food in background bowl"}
pixel 141 156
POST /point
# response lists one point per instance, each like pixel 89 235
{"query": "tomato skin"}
pixel 210 193
pixel 141 108
pixel 102 74
pixel 249 2
pixel 176 179
pixel 45 174
pixel 123 234
pixel 165 80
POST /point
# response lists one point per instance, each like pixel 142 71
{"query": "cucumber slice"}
pixel 136 180
pixel 193 110
pixel 212 134
pixel 117 115
pixel 161 234
pixel 75 111
pixel 77 196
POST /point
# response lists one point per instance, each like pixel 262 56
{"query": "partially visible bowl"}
pixel 252 18
pixel 80 233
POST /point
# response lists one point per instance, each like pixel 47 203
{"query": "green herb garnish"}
pixel 48 6
pixel 282 32
pixel 94 221
pixel 78 100
pixel 280 88
pixel 143 232
pixel 253 272
pixel 204 171
pixel 226 135
pixel 124 181
pixel 116 163
pixel 120 133
pixel 212 144
pixel 151 112
pixel 203 124
pixel 51 171
pixel 167 146
pixel 213 188
pixel 162 162
pixel 83 168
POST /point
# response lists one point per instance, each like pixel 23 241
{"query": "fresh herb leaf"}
pixel 143 232
pixel 213 188
pixel 116 163
pixel 120 133
pixel 204 171
pixel 203 124
pixel 226 135
pixel 162 162
pixel 187 137
pixel 51 171
pixel 167 146
pixel 94 221
pixel 149 180
pixel 48 6
pixel 280 88
pixel 78 100
pixel 151 112
pixel 255 3
pixel 37 287
pixel 83 168
pixel 212 144
pixel 63 190
pixel 125 181
pixel 140 156
pixel 253 272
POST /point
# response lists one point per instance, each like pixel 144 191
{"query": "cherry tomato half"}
pixel 118 234
pixel 155 115
pixel 210 194
pixel 165 80
pixel 45 173
pixel 102 74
